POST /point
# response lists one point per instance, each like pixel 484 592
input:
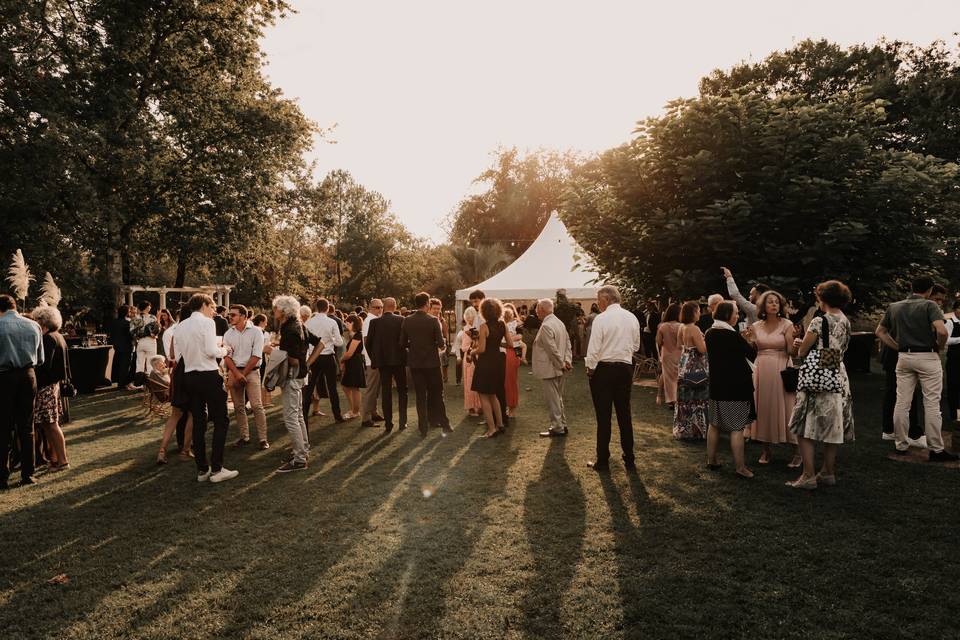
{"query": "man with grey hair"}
pixel 371 392
pixel 613 341
pixel 552 358
pixel 293 342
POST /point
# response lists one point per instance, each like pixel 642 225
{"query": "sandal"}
pixel 162 457
pixel 796 463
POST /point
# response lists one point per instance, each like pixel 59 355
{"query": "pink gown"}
pixel 670 354
pixel 471 399
pixel 774 405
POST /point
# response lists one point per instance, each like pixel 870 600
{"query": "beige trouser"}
pixel 240 396
pixel 371 394
pixel 553 392
pixel 923 368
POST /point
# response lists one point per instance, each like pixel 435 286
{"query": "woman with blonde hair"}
pixel 512 373
pixel 471 399
pixel 54 370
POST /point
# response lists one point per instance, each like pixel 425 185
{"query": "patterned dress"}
pixel 828 416
pixel 690 415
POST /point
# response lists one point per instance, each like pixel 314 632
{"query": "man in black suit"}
pixel 422 338
pixel 389 358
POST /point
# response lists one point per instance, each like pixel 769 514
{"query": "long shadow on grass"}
pixel 555 517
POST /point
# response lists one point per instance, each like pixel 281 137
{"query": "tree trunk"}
pixel 114 263
pixel 181 269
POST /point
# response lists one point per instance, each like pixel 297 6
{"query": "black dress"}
pixel 354 376
pixel 489 376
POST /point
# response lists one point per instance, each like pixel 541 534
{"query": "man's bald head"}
pixel 390 304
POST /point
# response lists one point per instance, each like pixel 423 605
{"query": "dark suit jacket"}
pixel 731 378
pixel 383 342
pixel 422 338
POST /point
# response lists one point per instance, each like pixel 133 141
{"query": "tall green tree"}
pixel 135 125
pixel 786 188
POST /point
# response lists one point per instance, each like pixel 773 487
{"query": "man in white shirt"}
pixel 371 393
pixel 614 338
pixel 197 344
pixel 324 334
pixel 245 343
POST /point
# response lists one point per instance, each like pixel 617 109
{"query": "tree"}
pixel 134 128
pixel 521 192
pixel 787 189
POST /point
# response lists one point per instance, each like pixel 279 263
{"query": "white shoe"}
pixel 203 477
pixel 888 436
pixel 224 474
pixel 920 443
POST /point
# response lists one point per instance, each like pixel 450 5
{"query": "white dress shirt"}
pixel 246 344
pixel 168 339
pixel 366 330
pixel 324 327
pixel 615 337
pixel 196 342
pixel 949 326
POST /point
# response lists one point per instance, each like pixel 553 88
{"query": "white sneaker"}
pixel 203 477
pixel 889 436
pixel 920 443
pixel 224 474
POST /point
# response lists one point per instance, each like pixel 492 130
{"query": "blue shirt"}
pixel 20 343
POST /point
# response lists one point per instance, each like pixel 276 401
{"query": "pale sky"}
pixel 422 92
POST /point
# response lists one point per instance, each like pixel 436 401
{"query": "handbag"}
pixel 791 378
pixel 820 371
pixel 67 390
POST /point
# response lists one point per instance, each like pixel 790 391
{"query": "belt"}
pixel 919 350
pixel 617 363
pixel 17 369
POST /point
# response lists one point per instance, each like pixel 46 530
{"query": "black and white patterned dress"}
pixel 827 416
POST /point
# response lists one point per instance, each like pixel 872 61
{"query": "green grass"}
pixel 518 539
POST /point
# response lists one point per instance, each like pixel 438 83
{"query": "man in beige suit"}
pixel 552 358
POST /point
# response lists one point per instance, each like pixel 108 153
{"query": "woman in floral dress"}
pixel 693 389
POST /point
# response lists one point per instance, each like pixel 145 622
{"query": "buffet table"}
pixel 90 367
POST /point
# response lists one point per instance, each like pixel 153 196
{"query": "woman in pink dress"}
pixel 774 335
pixel 668 344
pixel 471 399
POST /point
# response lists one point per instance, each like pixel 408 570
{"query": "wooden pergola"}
pixel 220 292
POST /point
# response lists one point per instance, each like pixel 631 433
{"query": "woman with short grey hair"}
pixel 47 407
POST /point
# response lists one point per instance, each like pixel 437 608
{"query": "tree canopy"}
pixel 790 172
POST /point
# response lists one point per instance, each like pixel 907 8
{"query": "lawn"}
pixel 458 537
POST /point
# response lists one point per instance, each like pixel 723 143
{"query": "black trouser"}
pixel 890 401
pixel 649 345
pixel 121 367
pixel 611 384
pixel 182 429
pixel 18 391
pixel 206 394
pixel 431 410
pixel 459 370
pixel 387 377
pixel 323 375
pixel 953 386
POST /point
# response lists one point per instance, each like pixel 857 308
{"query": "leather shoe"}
pixel 630 466
pixel 598 467
pixel 377 418
pixel 550 433
pixel 28 480
pixel 264 445
pixel 367 424
pixel 401 427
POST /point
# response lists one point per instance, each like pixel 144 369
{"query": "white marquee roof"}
pixel 547 265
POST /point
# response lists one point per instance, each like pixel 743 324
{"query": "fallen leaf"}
pixel 59 579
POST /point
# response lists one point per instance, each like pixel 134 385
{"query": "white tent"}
pixel 550 263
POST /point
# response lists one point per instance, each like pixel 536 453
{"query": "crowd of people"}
pixel 734 365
